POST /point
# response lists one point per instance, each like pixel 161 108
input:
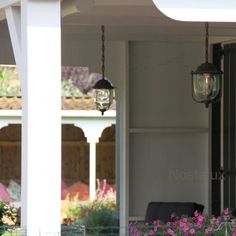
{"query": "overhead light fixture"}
pixel 103 88
pixel 198 11
pixel 206 80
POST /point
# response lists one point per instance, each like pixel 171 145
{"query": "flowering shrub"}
pixel 91 212
pixel 70 209
pixel 99 216
pixel 186 226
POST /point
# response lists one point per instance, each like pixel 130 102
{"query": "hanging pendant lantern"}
pixel 206 80
pixel 103 88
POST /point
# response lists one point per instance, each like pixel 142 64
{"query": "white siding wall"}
pixel 170 163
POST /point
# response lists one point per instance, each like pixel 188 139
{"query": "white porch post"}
pixel 41 116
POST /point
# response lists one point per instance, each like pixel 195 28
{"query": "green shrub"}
pixel 99 220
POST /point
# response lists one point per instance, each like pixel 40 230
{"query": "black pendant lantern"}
pixel 103 88
pixel 206 80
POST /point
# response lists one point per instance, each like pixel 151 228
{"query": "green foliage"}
pixel 9 81
pixel 75 211
pixel 98 221
pixel 68 89
pixel 99 217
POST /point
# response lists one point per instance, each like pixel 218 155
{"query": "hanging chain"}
pixel 103 51
pixel 206 42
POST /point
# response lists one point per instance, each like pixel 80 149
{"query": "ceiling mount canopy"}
pixel 198 11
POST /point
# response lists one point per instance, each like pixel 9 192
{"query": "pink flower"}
pixel 170 232
pixel 196 214
pixel 234 233
pixel 172 216
pixel 226 211
pixel 168 224
pixel 185 229
pixel 200 218
pixel 199 224
pixel 182 224
pixel 209 230
pixel 192 231
pixel 155 228
pixel 151 232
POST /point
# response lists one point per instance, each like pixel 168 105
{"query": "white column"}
pixel 41 116
pixel 93 129
pixel 92 167
pixel 123 140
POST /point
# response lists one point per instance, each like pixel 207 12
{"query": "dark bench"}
pixel 163 210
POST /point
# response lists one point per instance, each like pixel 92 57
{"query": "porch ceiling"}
pixel 132 20
pixel 137 20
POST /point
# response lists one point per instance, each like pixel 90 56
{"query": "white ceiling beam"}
pixel 8 3
pixel 123 3
pixel 13 15
pixel 69 7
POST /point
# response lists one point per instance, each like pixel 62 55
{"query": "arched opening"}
pixel 75 155
pixel 75 162
pixel 105 152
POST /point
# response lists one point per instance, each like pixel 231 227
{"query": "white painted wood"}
pixel 72 6
pixel 123 158
pixel 87 113
pixel 3 124
pixel 123 2
pixel 168 130
pixel 8 3
pixel 13 15
pixel 41 114
pixel 73 114
pixel 200 11
pixel 136 218
pixel 92 171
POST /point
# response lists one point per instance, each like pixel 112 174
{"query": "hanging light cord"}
pixel 103 52
pixel 206 42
